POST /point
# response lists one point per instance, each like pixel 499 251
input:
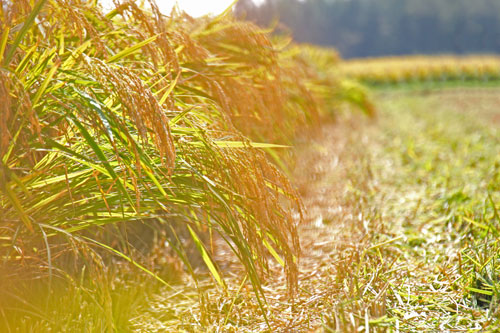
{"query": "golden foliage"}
pixel 115 118
pixel 423 68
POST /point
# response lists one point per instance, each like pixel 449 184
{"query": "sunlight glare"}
pixel 196 7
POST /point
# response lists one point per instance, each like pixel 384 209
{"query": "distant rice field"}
pixel 423 68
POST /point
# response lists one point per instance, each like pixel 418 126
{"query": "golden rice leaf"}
pixel 24 30
pixel 131 50
pixel 18 206
pixel 45 84
pixel 169 89
pixel 3 41
pixel 239 144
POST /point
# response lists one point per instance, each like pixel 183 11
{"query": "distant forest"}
pixel 363 28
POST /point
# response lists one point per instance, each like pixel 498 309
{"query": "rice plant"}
pixel 115 122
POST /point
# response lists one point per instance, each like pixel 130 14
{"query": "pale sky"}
pixel 195 7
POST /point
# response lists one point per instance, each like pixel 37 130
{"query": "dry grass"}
pixel 432 165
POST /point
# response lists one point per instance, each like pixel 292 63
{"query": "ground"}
pixel 402 219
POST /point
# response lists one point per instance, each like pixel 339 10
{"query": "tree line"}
pixel 363 28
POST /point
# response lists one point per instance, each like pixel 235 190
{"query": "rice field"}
pixel 129 136
pixel 163 173
pixel 399 230
pixel 421 69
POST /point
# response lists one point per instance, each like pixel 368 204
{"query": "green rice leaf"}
pixel 206 257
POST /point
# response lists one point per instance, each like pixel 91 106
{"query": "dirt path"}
pixel 388 242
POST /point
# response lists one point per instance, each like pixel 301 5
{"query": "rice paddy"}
pixel 163 173
pixel 400 223
pixel 424 69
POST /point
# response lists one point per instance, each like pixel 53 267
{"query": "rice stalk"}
pixel 132 118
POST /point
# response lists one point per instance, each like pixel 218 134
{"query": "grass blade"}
pixel 206 257
pixel 26 27
pixel 3 41
pixel 130 50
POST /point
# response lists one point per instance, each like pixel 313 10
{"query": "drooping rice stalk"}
pixel 110 120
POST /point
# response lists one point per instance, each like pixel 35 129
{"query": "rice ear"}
pixel 128 116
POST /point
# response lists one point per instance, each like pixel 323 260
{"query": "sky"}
pixel 197 7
